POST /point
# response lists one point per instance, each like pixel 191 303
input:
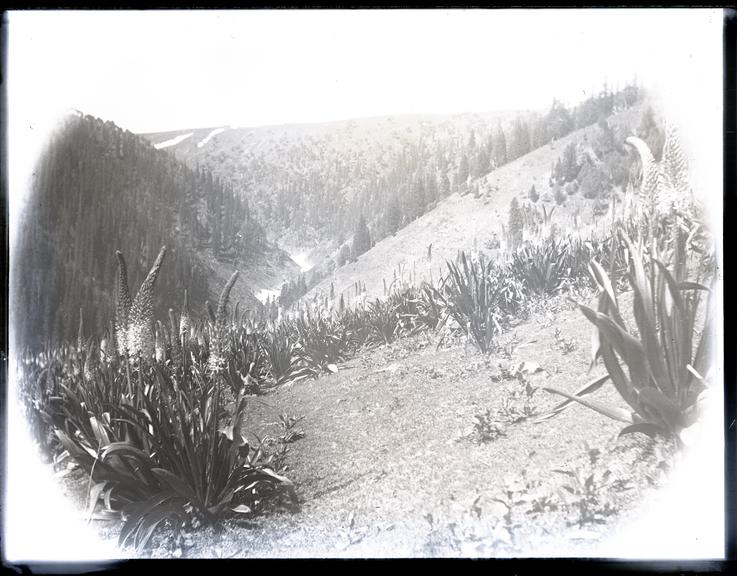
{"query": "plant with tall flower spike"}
pixel 220 332
pixel 122 307
pixel 668 355
pixel 184 322
pixel 133 319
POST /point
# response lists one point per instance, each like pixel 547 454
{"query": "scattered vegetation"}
pixel 586 491
pixel 562 343
pixel 669 354
pixel 487 427
pixel 154 413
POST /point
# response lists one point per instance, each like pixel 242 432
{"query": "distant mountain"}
pixel 310 183
pixel 318 187
pixel 97 189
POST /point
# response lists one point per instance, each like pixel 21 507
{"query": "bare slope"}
pixel 463 222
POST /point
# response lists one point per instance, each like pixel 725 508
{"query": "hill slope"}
pixel 319 187
pixel 309 182
pixel 98 189
pixel 469 222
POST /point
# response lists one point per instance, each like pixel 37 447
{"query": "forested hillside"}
pixel 316 180
pixel 336 189
pixel 98 189
pixel 571 184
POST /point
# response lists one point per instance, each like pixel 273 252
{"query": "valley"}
pixel 422 388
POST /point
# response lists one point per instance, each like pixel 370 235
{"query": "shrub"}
pixel 667 357
pixel 560 195
pixel 383 322
pixel 593 181
pixel 541 267
pixel 323 342
pixel 280 347
pixel 533 194
pixel 154 435
pixel 173 454
pixel 479 297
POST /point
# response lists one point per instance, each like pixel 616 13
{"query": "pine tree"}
pixel 500 147
pixel 393 216
pixel 520 144
pixel 570 167
pixel 463 172
pixel 481 163
pixel 651 133
pixel 559 120
pixel 534 196
pixel 444 185
pixel 361 238
pixel 471 146
pixel 516 224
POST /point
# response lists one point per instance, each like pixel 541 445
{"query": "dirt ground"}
pixel 391 463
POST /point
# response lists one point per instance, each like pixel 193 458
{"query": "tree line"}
pixel 97 189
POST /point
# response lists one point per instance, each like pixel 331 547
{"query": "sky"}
pixel 170 70
pixel 165 71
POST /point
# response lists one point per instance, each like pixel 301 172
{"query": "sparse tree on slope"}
pixel 515 224
pixel 534 196
pixel 361 238
pixel 500 147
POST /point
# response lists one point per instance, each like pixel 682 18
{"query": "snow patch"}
pixel 173 142
pixel 303 261
pixel 211 135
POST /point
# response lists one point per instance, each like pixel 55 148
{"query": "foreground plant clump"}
pixel 668 357
pixel 157 420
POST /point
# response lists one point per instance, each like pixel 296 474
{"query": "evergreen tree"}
pixel 500 147
pixel 570 167
pixel 444 185
pixel 361 238
pixel 534 196
pixel 559 120
pixel 344 255
pixel 481 163
pixel 431 189
pixel 559 194
pixel 515 225
pixel 463 172
pixel 593 181
pixel 419 200
pixel 651 133
pixel 520 144
pixel 471 146
pixel 393 216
